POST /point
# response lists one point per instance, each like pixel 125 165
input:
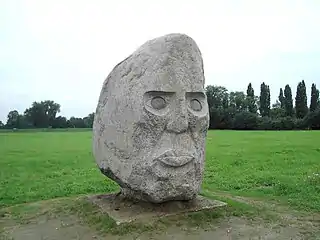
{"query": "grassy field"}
pixel 284 166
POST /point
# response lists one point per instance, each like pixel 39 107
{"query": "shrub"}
pixel 312 120
pixel 245 121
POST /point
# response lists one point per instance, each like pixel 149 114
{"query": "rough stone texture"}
pixel 122 210
pixel 151 121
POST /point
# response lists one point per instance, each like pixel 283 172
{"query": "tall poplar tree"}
pixel 288 102
pixel 264 100
pixel 281 98
pixel 301 100
pixel 251 102
pixel 314 103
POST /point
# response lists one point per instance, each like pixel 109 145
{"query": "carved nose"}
pixel 178 122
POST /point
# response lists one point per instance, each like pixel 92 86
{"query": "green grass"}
pixel 283 165
pixel 274 165
pixel 43 165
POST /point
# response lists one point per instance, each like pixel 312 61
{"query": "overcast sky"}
pixel 63 50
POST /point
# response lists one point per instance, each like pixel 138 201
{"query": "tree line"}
pixel 44 115
pixel 228 110
pixel 247 111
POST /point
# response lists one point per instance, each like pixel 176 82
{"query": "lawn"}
pixel 276 165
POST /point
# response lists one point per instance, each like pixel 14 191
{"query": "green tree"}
pixel 1 125
pixel 268 99
pixel 51 110
pixel 76 122
pixel 245 121
pixel 217 97
pixel 250 98
pixel 264 100
pixel 13 119
pixel 288 102
pixel 312 120
pixel 314 103
pixel 88 121
pixel 36 114
pixel 237 101
pixel 23 122
pixel 225 101
pixel 281 98
pixel 60 122
pixel 301 100
pixel 277 111
pixel 42 114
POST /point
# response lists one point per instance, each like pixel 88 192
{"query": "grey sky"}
pixel 63 50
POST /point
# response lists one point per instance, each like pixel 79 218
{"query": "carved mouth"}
pixel 171 159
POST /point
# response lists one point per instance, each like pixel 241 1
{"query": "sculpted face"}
pixel 152 119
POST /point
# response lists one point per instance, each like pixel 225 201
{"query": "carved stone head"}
pixel 151 121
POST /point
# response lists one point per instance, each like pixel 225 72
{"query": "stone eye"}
pixel 195 105
pixel 158 103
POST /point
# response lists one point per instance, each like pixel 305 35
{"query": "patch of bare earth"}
pixel 289 224
pixel 45 228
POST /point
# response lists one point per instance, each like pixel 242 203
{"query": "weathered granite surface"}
pixel 151 121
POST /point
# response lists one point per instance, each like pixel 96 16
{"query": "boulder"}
pixel 151 121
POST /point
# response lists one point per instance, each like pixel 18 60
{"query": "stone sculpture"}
pixel 151 121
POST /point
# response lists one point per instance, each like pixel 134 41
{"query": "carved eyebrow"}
pixel 159 93
pixel 190 94
pixel 169 93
